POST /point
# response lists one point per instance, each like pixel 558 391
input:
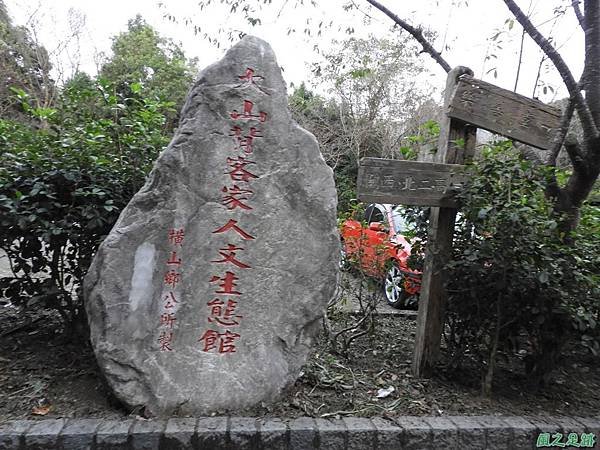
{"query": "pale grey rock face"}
pixel 208 292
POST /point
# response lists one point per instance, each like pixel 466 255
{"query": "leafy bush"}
pixel 63 184
pixel 514 287
pixel 586 310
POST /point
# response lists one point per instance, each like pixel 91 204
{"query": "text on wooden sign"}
pixel 408 182
pixel 504 112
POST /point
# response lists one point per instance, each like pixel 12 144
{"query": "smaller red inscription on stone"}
pixel 174 260
pixel 170 301
pixel 168 319
pixel 164 340
pixel 228 255
pixel 227 283
pixel 235 196
pixel 249 76
pixel 239 172
pixel 232 225
pixel 172 278
pixel 176 236
pixel 247 114
pixel 223 315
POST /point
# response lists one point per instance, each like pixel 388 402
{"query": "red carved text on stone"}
pixel 168 319
pixel 226 283
pixel 170 301
pixel 232 225
pixel 172 278
pixel 238 170
pixel 174 260
pixel 247 114
pixel 222 313
pixel 235 196
pixel 164 340
pixel 249 76
pixel 176 236
pixel 228 255
pixel 223 342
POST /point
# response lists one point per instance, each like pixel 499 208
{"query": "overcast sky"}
pixel 466 30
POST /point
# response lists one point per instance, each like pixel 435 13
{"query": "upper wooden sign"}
pixel 504 112
pixel 408 182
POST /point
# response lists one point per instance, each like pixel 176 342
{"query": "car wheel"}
pixel 393 287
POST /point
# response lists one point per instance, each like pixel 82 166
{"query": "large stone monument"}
pixel 208 292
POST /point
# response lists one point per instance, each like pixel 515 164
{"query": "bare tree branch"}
pixel 577 9
pixel 562 132
pixel 587 121
pixel 520 61
pixel 359 9
pixel 416 33
pixel 575 154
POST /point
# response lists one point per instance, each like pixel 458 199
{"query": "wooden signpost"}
pixel 504 112
pixel 470 104
pixel 409 182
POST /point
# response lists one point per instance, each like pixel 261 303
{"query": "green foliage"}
pixel 24 65
pixel 586 311
pixel 145 63
pixel 423 140
pixel 63 185
pixel 345 183
pixel 515 288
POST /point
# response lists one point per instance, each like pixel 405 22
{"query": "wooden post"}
pixel 456 141
pixel 468 103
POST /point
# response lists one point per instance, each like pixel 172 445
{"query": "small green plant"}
pixel 424 140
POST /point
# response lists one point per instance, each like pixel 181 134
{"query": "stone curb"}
pixel 248 433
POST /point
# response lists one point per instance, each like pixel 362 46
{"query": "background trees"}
pixel 73 154
pixel 63 186
pixel 23 65
pixel 584 154
pixel 157 64
pixel 370 104
pixel 70 165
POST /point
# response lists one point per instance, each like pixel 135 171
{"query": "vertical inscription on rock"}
pixel 239 217
pixel 223 321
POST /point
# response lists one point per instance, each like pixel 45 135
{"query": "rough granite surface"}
pixel 239 211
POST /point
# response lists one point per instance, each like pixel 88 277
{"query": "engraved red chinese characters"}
pixel 222 342
pixel 171 279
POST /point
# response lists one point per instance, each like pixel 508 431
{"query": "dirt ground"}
pixel 43 375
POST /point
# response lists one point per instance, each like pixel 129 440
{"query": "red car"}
pixel 380 249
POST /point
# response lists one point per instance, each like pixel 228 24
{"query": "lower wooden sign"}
pixel 409 182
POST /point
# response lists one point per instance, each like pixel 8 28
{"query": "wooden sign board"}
pixel 504 112
pixel 408 182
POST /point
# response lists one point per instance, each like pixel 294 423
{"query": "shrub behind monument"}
pixel 63 183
